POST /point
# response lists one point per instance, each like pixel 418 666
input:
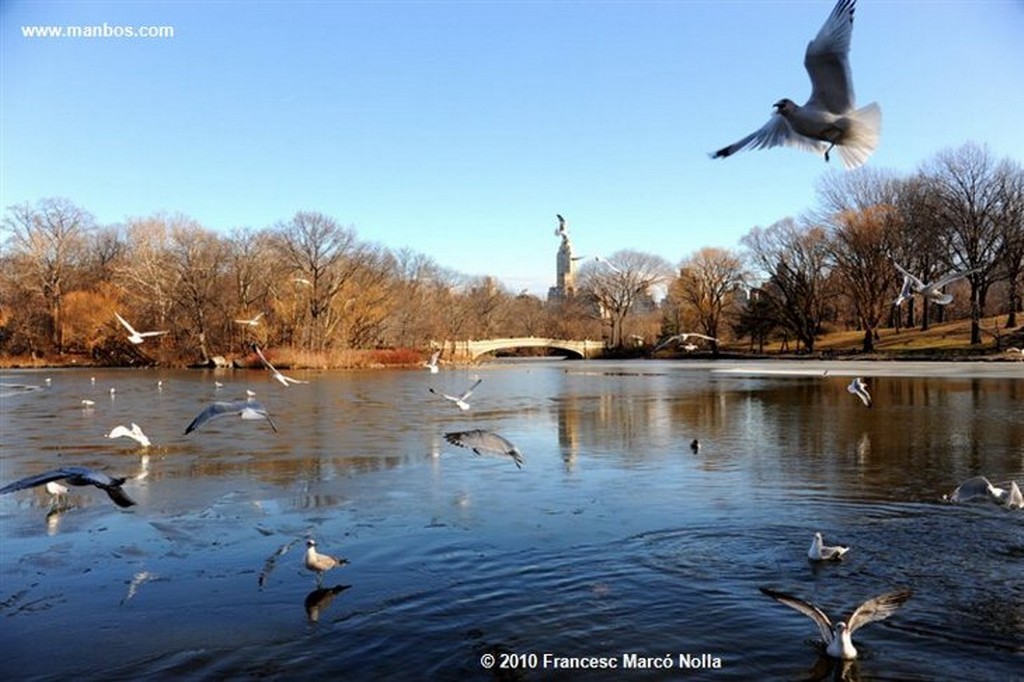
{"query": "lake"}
pixel 615 544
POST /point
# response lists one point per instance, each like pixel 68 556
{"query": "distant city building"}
pixel 565 275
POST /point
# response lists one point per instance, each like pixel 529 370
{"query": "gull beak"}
pixel 778 105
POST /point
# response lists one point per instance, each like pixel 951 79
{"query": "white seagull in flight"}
pixel 246 409
pixel 285 380
pixel 78 476
pixel 134 433
pixel 837 638
pixel 932 291
pixel 481 442
pixel 819 551
pixel 432 363
pixel 683 337
pixel 460 401
pixel 134 336
pixel 829 118
pixel 860 389
pixel 252 322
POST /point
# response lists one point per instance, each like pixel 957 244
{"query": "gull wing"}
pixel 972 489
pixel 151 333
pixel 918 284
pixel 480 442
pixel 43 478
pixel 127 326
pixel 775 133
pixel 452 398
pixel 217 410
pixel 879 608
pixel 819 617
pixel 827 61
pixel 119 431
pixel 953 277
pixel 469 392
pixel 263 359
pixel 117 495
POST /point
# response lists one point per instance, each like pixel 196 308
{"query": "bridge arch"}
pixel 473 349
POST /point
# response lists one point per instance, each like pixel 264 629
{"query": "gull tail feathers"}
pixel 861 138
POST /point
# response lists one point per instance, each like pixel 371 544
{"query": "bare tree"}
pixel 707 282
pixel 1010 221
pixel 50 239
pixel 199 261
pixel 968 204
pixel 622 285
pixel 795 262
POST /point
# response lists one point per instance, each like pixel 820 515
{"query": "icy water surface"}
pixel 615 544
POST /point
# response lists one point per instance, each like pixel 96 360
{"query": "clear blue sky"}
pixel 458 129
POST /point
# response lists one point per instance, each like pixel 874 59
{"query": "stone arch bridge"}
pixel 473 349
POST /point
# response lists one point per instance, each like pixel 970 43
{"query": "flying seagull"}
pixel 904 291
pixel 819 551
pixel 932 291
pixel 252 322
pixel 135 433
pixel 460 401
pixel 246 409
pixel 285 380
pixel 980 487
pixel 829 118
pixel 432 363
pixel 561 231
pixel 683 337
pixel 78 476
pixel 837 638
pixel 134 336
pixel 480 442
pixel 860 389
pixel 319 563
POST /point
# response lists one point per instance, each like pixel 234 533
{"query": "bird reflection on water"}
pixel 320 599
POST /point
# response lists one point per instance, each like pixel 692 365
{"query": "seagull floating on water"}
pixel 135 433
pixel 932 292
pixel 829 118
pixel 246 409
pixel 319 563
pixel 134 336
pixel 695 445
pixel 285 380
pixel 77 476
pixel 485 442
pixel 86 403
pixel 980 488
pixel 838 638
pixel 460 401
pixel 821 552
pixel 252 322
pixel 860 389
pixel 431 364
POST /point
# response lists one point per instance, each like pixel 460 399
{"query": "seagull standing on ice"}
pixel 822 552
pixel 319 563
pixel 134 336
pixel 460 401
pixel 285 380
pixel 481 442
pixel 135 433
pixel 932 292
pixel 829 118
pixel 860 389
pixel 78 476
pixel 838 638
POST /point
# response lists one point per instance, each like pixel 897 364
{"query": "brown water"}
pixel 614 540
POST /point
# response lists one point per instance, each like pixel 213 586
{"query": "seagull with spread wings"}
pixel 932 292
pixel 251 322
pixel 460 400
pixel 246 409
pixel 837 637
pixel 485 442
pixel 829 118
pixel 134 336
pixel 860 389
pixel 135 433
pixel 285 380
pixel 678 338
pixel 77 476
pixel 432 363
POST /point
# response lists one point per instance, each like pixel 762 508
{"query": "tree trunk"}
pixel 869 341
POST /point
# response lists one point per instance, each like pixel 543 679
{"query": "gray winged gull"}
pixel 77 476
pixel 860 389
pixel 837 637
pixel 285 380
pixel 481 442
pixel 829 118
pixel 932 292
pixel 319 563
pixel 819 551
pixel 246 409
pixel 460 400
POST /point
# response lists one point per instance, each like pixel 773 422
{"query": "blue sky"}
pixel 458 129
